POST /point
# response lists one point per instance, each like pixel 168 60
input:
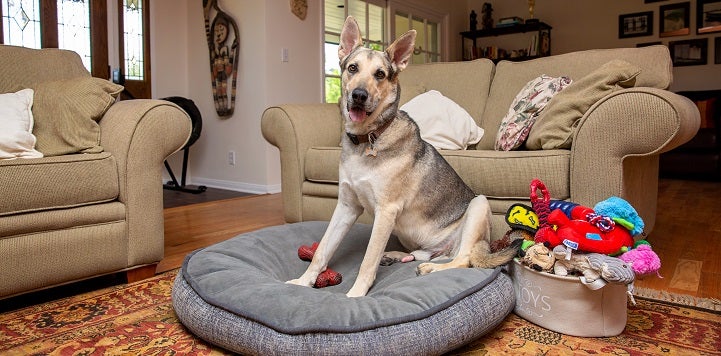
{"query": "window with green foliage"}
pixel 370 15
pixel 373 17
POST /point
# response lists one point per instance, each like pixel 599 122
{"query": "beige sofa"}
pixel 68 217
pixel 615 145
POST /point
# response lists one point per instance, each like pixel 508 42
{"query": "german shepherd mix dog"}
pixel 389 171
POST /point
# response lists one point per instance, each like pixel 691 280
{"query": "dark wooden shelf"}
pixel 499 31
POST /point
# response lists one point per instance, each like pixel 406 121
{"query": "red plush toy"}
pixel 326 278
pixel 576 226
pixel 583 235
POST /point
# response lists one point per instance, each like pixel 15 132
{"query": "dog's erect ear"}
pixel 350 38
pixel 401 49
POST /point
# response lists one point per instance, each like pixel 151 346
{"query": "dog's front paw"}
pixel 299 282
pixel 426 268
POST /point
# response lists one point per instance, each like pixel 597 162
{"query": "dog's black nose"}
pixel 359 95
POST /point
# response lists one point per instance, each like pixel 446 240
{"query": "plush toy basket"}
pixel 565 305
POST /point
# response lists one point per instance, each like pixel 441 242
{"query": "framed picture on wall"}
pixel 634 25
pixel 674 19
pixel 708 16
pixel 717 50
pixel 689 52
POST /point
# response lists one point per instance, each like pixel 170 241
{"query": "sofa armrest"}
pixel 618 141
pixel 140 134
pixel 294 129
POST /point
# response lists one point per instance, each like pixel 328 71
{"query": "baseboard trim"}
pixel 234 186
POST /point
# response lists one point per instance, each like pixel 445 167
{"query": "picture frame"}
pixel 717 50
pixel 689 52
pixel 635 25
pixel 674 19
pixel 708 16
pixel 646 44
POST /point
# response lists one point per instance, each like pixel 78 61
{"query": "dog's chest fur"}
pixel 408 178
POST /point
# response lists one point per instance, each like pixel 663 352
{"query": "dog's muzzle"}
pixel 357 108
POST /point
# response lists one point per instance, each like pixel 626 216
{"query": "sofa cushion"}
pixel 66 114
pixel 443 123
pixel 57 182
pixel 496 174
pixel 525 109
pixel 16 125
pixel 555 125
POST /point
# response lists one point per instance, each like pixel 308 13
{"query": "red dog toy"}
pixel 326 278
pixel 576 226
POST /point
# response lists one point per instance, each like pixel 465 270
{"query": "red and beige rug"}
pixel 138 319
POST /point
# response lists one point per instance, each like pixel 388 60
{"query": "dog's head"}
pixel 369 78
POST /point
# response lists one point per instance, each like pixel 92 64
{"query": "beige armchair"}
pixel 68 217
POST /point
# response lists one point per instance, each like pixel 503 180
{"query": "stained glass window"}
pixel 74 28
pixel 133 39
pixel 21 23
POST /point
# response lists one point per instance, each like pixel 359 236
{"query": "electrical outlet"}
pixel 284 57
pixel 231 158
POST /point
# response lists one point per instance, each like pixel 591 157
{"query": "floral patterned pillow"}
pixel 524 110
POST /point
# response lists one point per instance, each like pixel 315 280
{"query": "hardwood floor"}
pixel 687 236
pixel 191 227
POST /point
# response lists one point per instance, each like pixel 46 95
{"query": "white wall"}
pixel 180 67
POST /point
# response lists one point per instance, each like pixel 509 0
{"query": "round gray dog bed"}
pixel 233 294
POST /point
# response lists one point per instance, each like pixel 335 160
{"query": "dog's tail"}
pixel 482 257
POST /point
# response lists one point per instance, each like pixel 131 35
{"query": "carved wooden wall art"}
pixel 222 33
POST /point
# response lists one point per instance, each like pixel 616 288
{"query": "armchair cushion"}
pixel 16 125
pixel 66 114
pixel 556 123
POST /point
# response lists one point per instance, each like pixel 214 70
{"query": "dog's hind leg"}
pixel 343 218
pixel 476 230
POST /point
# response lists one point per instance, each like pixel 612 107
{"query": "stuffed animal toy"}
pixel 622 213
pixel 596 269
pixel 519 216
pixel 642 260
pixel 583 235
pixel 539 257
pixel 592 266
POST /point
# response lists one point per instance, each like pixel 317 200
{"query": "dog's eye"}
pixel 380 75
pixel 352 68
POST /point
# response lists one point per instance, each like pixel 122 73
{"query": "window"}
pixel 373 19
pixel 21 23
pixel 78 25
pixel 427 40
pixel 81 26
pixel 134 43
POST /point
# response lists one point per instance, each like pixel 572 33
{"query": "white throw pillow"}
pixel 443 123
pixel 16 126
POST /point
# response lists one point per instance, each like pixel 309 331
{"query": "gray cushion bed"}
pixel 233 294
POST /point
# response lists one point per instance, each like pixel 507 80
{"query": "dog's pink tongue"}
pixel 357 114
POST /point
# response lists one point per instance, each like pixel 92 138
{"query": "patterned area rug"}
pixel 138 319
